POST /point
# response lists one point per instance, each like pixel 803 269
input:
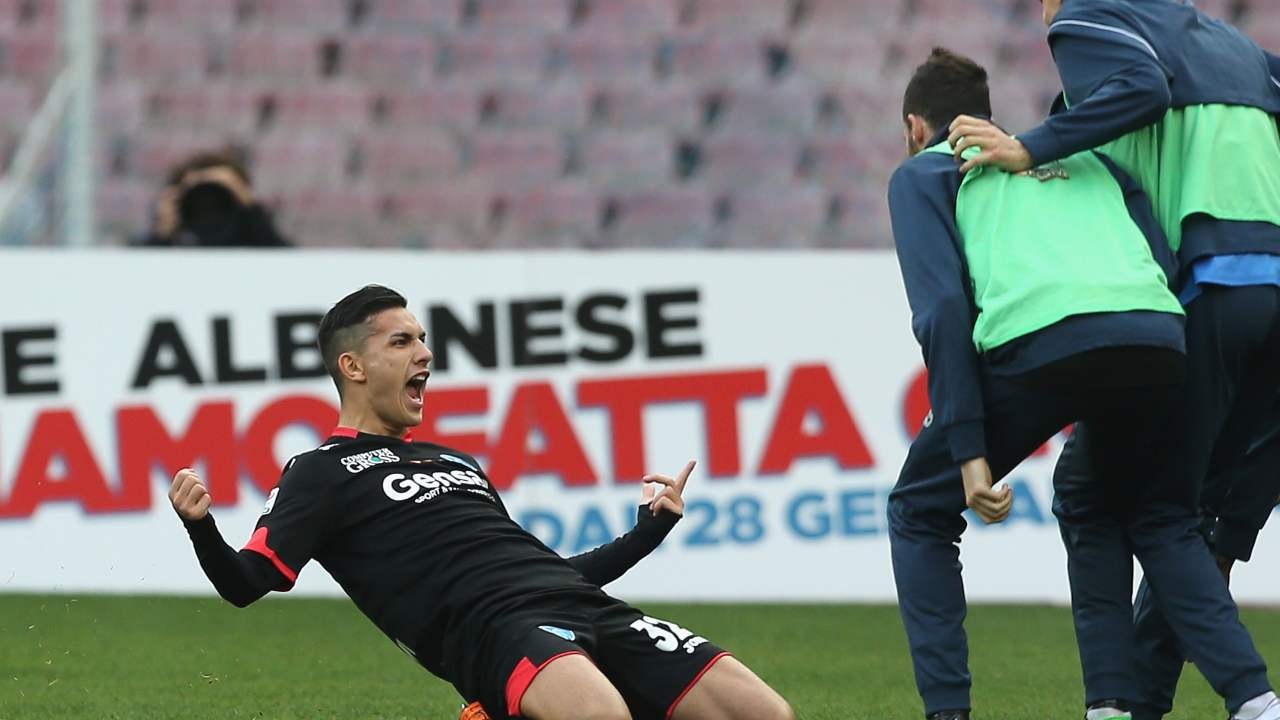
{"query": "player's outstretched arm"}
pixel 239 577
pixel 657 515
pixel 1114 88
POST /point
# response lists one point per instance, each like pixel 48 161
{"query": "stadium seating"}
pixel 1263 23
pixel 742 159
pixel 489 56
pixel 870 17
pixel 647 156
pixel 215 108
pixel 390 60
pixel 538 123
pixel 712 58
pixel 737 16
pixel 517 158
pixel 627 15
pixel 644 105
pixel 28 56
pixel 827 55
pixel 554 105
pixel 408 16
pixel 124 206
pixel 152 154
pixel 562 215
pixel 206 15
pixel 18 101
pixel 331 106
pixel 283 56
pixel 779 216
pixel 160 59
pixel 615 56
pixel 526 15
pixel 287 159
pixel 453 105
pixel 120 106
pixel 400 158
pixel 355 215
pixel 670 216
pixel 788 108
pixel 321 16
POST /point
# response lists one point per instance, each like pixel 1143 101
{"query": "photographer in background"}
pixel 208 202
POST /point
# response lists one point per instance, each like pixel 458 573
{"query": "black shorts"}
pixel 652 662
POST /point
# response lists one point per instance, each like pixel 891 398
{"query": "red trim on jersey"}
pixel 258 544
pixel 714 660
pixel 350 432
pixel 522 677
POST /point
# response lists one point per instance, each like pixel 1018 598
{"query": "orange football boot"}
pixel 473 712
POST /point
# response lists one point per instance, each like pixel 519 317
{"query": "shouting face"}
pixel 393 365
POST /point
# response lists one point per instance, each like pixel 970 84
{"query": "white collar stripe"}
pixel 1107 28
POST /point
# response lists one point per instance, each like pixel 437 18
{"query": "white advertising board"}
pixel 793 379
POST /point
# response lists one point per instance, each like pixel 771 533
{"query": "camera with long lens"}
pixel 208 205
pixel 211 214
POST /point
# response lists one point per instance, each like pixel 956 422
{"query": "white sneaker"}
pixel 1106 713
pixel 1263 707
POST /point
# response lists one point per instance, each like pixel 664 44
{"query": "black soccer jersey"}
pixel 419 539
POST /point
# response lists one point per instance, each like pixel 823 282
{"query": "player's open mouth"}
pixel 415 387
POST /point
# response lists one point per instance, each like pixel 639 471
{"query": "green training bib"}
pixel 1220 160
pixel 1050 243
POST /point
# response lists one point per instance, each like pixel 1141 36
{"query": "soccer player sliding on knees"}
pixel 419 539
pixel 1039 300
pixel 1186 104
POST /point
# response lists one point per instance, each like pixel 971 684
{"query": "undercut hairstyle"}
pixel 945 87
pixel 346 326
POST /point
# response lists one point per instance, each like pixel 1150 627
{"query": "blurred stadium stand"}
pixel 534 123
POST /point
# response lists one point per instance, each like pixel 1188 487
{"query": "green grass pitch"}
pixel 147 657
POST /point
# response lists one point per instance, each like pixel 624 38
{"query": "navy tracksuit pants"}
pixel 926 507
pixel 1233 361
pixel 1126 425
pixel 1188 590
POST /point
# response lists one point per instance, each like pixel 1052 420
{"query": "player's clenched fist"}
pixel 189 496
pixel 991 504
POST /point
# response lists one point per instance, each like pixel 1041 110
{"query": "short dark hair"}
pixel 945 87
pixel 228 158
pixel 345 327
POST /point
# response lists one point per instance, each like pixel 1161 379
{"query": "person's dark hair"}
pixel 345 327
pixel 946 86
pixel 206 160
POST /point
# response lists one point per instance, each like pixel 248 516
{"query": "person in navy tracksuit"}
pixel 1088 330
pixel 1186 104
pixel 1239 500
